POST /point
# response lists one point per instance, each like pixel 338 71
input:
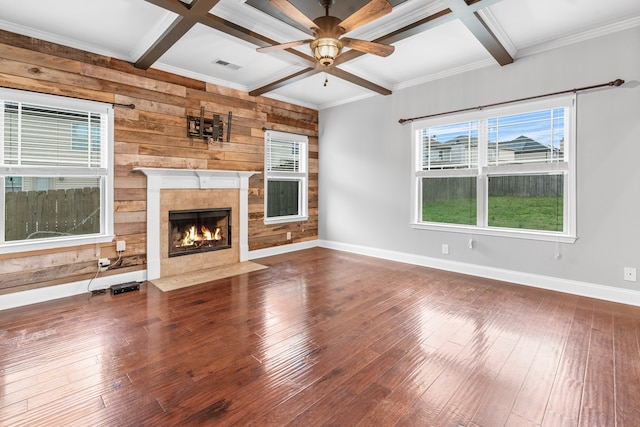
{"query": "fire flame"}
pixel 192 236
pixel 206 233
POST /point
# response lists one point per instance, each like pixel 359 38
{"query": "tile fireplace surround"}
pixel 169 189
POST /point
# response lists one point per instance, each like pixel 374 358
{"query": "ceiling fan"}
pixel 327 44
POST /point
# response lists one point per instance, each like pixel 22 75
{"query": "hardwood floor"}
pixel 323 338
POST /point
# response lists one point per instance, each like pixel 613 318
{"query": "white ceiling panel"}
pixel 119 28
pixel 531 22
pixel 245 67
pixel 434 51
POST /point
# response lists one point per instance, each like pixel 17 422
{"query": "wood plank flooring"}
pixel 323 338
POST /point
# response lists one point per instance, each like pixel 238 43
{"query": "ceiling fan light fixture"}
pixel 326 50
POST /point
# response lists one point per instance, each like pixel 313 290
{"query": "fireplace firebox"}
pixel 199 230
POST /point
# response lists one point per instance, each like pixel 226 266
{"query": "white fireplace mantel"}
pixel 164 178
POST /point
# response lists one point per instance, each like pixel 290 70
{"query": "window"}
pixel 56 170
pixel 13 184
pixel 285 177
pixel 505 171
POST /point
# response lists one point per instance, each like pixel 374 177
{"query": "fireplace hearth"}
pixel 199 230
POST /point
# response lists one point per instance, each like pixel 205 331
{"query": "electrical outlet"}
pixel 121 245
pixel 630 274
pixel 103 264
pixel 445 249
pixel 288 235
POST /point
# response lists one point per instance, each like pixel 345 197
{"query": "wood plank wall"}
pixel 151 135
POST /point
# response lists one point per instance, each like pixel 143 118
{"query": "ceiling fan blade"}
pixel 367 13
pixel 368 47
pixel 282 46
pixel 292 12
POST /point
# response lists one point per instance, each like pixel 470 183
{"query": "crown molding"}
pixel 63 41
pixel 447 73
pixel 580 37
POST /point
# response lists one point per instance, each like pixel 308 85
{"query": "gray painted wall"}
pixel 365 164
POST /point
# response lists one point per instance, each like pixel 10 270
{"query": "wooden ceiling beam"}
pixel 303 74
pixel 474 23
pixel 227 27
pixel 175 6
pixel 171 35
pixel 485 36
pixel 357 80
pixel 344 75
pixel 476 5
pixel 189 15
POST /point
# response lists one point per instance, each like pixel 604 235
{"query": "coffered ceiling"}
pixel 216 40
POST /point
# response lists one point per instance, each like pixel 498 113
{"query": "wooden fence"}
pixel 527 185
pixel 53 213
pixel 446 189
pixel 282 198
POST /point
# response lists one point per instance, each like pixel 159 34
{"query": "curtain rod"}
pixel 616 82
pixel 127 106
pixel 115 104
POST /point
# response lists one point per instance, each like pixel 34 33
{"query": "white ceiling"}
pixel 126 29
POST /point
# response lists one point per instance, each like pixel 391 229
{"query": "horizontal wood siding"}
pixel 151 135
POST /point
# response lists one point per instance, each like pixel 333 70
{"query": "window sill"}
pixel 285 219
pixel 54 243
pixel 497 232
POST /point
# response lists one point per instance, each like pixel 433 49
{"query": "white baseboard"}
pixel 591 290
pixel 606 293
pixel 282 249
pixel 33 296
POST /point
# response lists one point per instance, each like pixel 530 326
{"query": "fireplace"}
pixel 199 230
pixel 171 190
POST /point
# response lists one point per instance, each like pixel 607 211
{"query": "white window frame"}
pixel 105 171
pixel 302 176
pixel 484 171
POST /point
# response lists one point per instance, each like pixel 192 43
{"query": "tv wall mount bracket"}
pixel 211 130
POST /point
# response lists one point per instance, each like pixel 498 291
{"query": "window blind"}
pixel 532 137
pixel 284 154
pixel 452 146
pixel 37 135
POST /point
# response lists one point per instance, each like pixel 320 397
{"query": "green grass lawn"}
pixel 532 213
pixel 459 211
